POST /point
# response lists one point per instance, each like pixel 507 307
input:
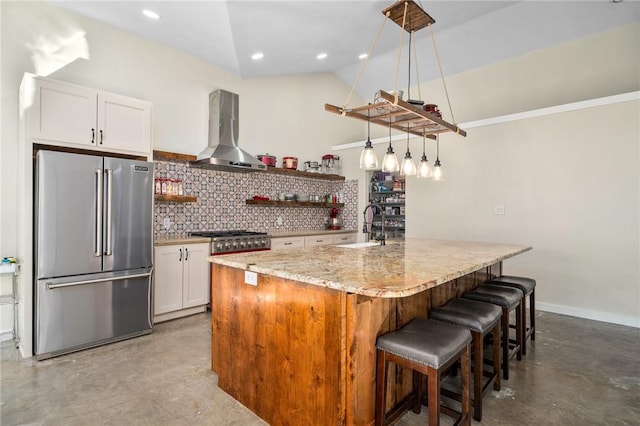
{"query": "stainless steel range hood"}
pixel 223 152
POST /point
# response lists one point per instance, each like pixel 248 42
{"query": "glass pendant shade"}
pixel 408 167
pixel 390 161
pixel 368 158
pixel 437 171
pixel 424 171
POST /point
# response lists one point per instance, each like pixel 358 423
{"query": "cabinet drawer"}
pixel 317 240
pixel 344 239
pixel 284 243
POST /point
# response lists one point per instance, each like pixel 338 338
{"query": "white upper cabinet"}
pixel 68 115
pixel 124 123
pixel 64 113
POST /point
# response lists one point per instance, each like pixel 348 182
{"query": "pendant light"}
pixel 368 158
pixel 390 161
pixel 408 167
pixel 437 167
pixel 424 171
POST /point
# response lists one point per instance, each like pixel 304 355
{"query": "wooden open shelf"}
pixel 277 203
pixel 300 173
pixel 173 156
pixel 175 198
pixel 402 115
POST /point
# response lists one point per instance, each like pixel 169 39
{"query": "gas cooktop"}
pixel 236 241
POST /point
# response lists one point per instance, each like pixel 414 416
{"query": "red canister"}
pixel 290 163
pixel 269 160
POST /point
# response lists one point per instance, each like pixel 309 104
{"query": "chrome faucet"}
pixel 380 238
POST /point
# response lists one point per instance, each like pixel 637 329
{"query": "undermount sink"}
pixel 360 245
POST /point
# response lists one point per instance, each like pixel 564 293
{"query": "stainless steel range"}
pixel 225 242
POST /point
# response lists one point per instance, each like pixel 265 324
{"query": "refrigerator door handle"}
pixel 51 286
pixel 108 250
pixel 98 233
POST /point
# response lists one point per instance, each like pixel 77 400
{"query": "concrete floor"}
pixel 578 372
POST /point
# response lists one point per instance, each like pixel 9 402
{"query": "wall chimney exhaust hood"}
pixel 222 152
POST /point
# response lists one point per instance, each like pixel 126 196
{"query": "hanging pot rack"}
pixel 389 110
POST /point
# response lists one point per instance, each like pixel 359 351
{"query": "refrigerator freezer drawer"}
pixel 91 310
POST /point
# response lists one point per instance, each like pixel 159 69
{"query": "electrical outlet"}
pixel 498 209
pixel 166 223
pixel 250 278
pixel 279 220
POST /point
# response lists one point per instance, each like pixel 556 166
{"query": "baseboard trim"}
pixel 589 314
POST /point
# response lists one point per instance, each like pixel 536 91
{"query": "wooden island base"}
pixel 302 354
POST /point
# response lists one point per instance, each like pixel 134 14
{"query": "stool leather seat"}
pixel 430 343
pixel 507 297
pixel 471 314
pixel 526 285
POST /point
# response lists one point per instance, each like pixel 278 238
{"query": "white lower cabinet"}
pixel 181 280
pixel 318 240
pixel 345 238
pixel 312 240
pixel 287 242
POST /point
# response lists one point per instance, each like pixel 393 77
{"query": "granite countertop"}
pixel 170 240
pixel 398 269
pixel 307 233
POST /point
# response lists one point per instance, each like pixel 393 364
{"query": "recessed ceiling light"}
pixel 257 56
pixel 321 55
pixel 150 14
pixel 362 56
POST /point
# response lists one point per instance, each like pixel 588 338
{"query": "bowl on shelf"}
pixel 302 197
pixel 289 197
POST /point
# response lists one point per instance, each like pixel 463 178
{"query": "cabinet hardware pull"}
pixel 180 260
pixel 186 256
pixel 93 135
pixel 287 244
pixel 100 136
pixel 319 241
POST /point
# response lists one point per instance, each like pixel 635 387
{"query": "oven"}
pixel 229 242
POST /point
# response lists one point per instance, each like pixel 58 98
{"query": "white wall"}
pixel 570 182
pixel 280 115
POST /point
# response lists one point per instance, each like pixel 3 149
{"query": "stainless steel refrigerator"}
pixel 93 251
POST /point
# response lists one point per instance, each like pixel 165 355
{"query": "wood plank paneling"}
pixel 278 347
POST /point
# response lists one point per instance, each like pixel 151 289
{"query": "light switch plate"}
pixel 498 209
pixel 250 278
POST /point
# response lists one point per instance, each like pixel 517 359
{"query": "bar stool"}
pixel 480 318
pixel 528 287
pixel 508 299
pixel 427 347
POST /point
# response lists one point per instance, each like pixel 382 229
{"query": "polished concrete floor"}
pixel 578 372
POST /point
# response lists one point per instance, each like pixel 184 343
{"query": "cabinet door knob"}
pixel 93 135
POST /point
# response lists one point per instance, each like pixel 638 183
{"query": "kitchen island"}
pixel 293 331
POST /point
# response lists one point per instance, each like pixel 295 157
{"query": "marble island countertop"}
pixel 397 269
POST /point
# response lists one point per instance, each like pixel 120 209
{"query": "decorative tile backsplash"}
pixel 221 201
